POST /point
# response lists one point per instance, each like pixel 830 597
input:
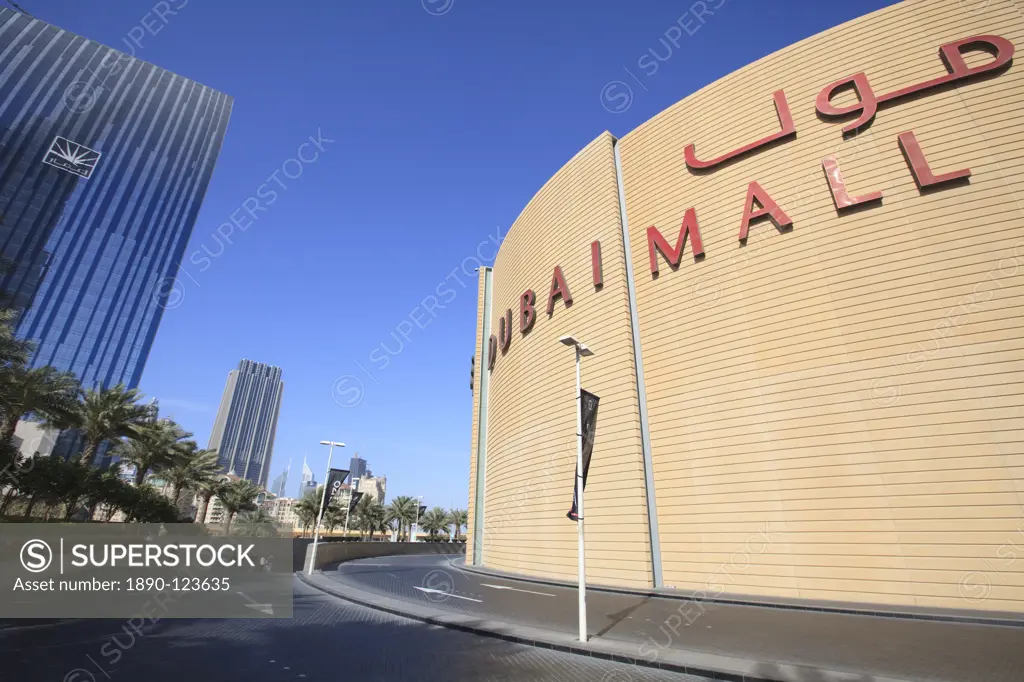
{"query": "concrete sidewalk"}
pixel 727 641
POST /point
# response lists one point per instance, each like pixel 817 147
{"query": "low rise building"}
pixel 374 487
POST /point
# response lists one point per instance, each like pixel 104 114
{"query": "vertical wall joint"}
pixel 481 433
pixel 645 433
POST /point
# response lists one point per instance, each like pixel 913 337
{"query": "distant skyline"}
pixel 429 136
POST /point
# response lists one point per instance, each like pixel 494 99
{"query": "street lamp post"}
pixel 323 497
pixel 348 509
pixel 581 351
pixel 412 536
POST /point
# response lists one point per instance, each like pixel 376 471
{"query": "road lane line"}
pixel 515 589
pixel 431 590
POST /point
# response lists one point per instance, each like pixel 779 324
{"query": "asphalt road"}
pixel 862 645
pixel 326 639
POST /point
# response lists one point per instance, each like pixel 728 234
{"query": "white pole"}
pixel 320 514
pixel 579 502
pixel 412 535
pixel 348 509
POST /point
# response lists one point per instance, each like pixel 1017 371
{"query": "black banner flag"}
pixel 334 482
pixel 588 420
pixel 355 500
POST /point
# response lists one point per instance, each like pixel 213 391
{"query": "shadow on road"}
pixel 325 640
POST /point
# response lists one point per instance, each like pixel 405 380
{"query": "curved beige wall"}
pixel 531 443
pixel 835 411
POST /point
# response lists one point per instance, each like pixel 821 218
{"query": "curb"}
pixel 689 662
pixel 967 618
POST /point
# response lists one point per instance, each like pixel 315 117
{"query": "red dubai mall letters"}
pixel 759 203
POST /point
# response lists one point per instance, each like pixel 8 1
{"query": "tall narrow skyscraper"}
pixel 308 482
pixel 280 483
pixel 104 162
pixel 246 424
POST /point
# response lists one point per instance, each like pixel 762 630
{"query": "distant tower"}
pixel 281 482
pixel 308 483
pixel 356 468
pixel 246 424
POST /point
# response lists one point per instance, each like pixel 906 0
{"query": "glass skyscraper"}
pixel 104 162
pixel 356 468
pixel 246 424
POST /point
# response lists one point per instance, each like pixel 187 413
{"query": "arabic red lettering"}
pixel 788 129
pixel 866 103
pixel 952 56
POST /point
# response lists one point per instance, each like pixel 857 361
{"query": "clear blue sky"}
pixel 446 116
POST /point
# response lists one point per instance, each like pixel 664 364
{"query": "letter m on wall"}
pixel 656 242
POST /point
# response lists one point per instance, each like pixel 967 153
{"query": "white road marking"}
pixel 265 608
pixel 433 591
pixel 515 589
pixel 362 564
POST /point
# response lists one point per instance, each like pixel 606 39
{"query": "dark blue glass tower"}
pixel 104 162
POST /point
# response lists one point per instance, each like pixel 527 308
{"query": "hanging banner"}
pixel 354 501
pixel 588 421
pixel 335 479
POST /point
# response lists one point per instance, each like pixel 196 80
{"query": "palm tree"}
pixel 256 523
pixel 458 518
pixel 434 520
pixel 189 470
pixel 154 447
pixel 237 496
pixel 391 523
pixel 379 520
pixel 367 514
pixel 333 517
pixel 16 467
pixel 111 414
pixel 44 393
pixel 13 351
pixel 37 482
pixel 308 508
pixel 306 515
pixel 103 488
pixel 69 486
pixel 403 510
pixel 207 490
pixel 145 504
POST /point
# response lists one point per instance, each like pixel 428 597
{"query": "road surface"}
pixel 866 646
pixel 326 640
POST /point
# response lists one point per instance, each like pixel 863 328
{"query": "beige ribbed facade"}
pixel 835 410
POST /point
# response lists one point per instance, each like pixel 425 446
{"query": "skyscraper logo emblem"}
pixel 71 157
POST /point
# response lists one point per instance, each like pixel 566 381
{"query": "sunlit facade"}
pixel 104 162
pixel 807 344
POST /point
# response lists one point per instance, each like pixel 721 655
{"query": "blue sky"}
pixel 437 120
